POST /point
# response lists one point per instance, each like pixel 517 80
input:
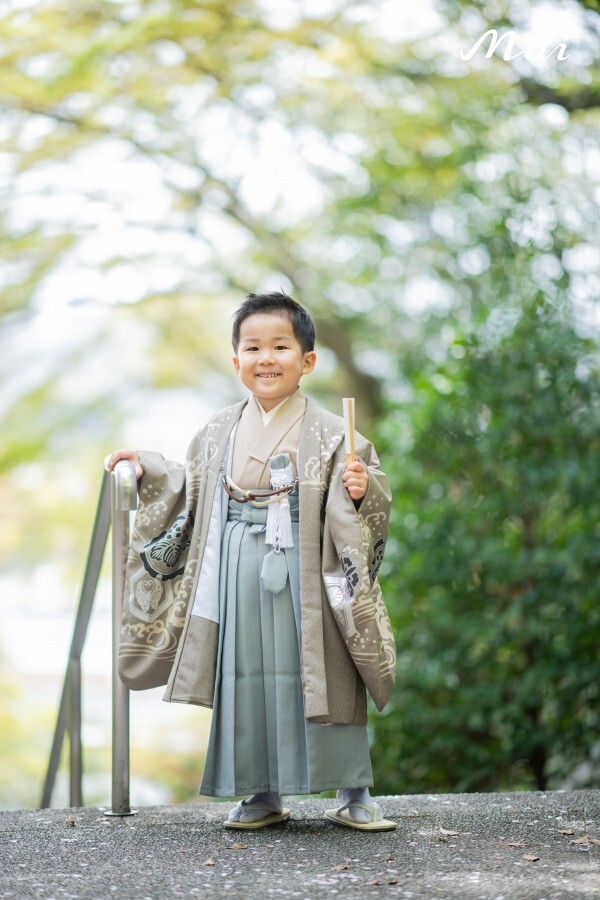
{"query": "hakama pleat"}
pixel 260 739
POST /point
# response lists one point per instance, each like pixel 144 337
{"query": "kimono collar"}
pixel 262 439
pixel 268 415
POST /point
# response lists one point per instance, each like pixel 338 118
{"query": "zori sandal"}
pixel 273 817
pixel 342 816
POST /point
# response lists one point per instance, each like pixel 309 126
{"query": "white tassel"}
pixel 279 525
pixel 286 538
pixel 279 520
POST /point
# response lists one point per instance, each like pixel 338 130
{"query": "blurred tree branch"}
pixel 572 99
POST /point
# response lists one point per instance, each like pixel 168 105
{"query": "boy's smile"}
pixel 270 361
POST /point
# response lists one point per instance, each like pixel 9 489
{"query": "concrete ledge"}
pixel 448 846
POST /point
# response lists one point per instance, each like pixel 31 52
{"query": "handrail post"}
pixel 123 499
pixel 114 503
pixel 70 698
pixel 74 727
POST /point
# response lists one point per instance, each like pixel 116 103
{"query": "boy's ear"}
pixel 310 360
pixel 236 365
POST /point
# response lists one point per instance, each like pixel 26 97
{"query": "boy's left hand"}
pixel 356 479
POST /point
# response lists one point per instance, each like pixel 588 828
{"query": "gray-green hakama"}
pixel 259 738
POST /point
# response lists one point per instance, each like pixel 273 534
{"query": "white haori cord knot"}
pixel 279 519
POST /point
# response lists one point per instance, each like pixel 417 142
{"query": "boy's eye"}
pixel 278 347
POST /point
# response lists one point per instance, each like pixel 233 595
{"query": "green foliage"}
pixel 178 772
pixel 493 563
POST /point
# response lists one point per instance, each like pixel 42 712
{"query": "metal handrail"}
pixel 124 498
pixel 118 495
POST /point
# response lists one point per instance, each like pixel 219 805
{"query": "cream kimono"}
pixel 170 631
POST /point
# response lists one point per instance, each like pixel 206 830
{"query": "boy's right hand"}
pixel 114 458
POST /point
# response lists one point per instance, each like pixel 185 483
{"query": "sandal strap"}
pixel 245 804
pixel 373 808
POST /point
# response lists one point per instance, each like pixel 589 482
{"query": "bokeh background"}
pixel 440 218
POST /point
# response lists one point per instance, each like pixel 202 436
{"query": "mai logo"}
pixel 532 53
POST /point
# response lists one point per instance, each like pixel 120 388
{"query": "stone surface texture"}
pixel 509 846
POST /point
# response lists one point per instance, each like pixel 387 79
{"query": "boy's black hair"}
pixel 276 302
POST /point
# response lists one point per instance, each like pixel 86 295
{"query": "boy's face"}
pixel 270 361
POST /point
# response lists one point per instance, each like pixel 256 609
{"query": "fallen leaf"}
pixel 514 843
pixel 585 840
pixel 209 862
pixel 341 868
pixel 452 833
pixel 394 881
pixel 374 881
pixel 565 831
pixel 72 823
pixel 239 846
pixel 531 857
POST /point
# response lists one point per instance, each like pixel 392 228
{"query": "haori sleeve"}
pixel 353 545
pixel 158 551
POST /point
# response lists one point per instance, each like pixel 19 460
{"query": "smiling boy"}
pixel 271 359
pixel 254 590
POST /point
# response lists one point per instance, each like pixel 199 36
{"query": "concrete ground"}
pixel 518 846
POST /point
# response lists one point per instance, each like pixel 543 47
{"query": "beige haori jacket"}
pixel 170 629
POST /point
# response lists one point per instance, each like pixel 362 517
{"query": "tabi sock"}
pixel 245 813
pixel 347 795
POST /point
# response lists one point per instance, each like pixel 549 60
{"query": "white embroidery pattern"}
pixel 340 599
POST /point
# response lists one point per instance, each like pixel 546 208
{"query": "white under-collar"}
pixel 267 416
